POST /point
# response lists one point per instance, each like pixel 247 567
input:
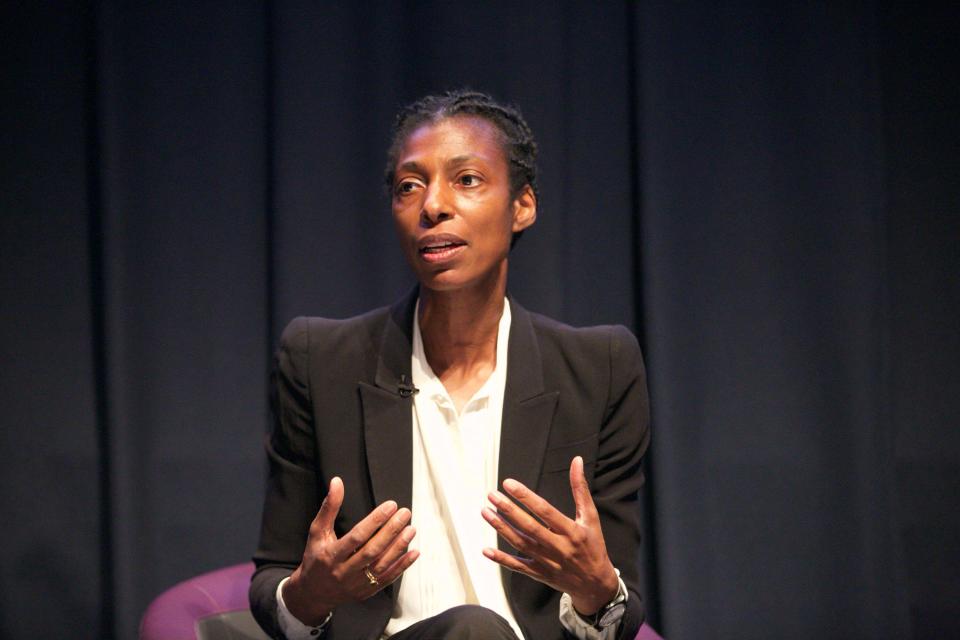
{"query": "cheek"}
pixel 503 226
pixel 403 221
pixel 496 238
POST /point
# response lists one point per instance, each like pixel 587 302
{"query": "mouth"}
pixel 439 248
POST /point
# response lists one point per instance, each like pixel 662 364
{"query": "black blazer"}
pixel 338 410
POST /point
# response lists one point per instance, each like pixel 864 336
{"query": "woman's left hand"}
pixel 567 555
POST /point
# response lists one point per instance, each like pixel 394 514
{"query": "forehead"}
pixel 454 137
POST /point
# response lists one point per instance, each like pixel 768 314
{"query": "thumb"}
pixel 327 514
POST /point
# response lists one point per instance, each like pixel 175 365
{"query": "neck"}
pixel 459 328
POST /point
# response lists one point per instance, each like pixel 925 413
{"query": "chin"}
pixel 437 282
pixel 459 277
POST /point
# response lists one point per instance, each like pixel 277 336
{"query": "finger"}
pixel 398 546
pixel 519 519
pixel 548 514
pixel 327 515
pixel 508 532
pixel 395 560
pixel 395 570
pixel 363 530
pixel 514 563
pixel 383 539
pixel 582 498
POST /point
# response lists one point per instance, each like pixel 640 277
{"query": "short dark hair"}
pixel 515 134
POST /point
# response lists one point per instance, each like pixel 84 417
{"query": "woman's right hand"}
pixel 334 570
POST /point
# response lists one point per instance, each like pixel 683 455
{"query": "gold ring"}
pixel 372 578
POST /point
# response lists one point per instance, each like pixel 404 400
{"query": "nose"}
pixel 436 205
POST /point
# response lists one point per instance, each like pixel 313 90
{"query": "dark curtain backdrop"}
pixel 765 192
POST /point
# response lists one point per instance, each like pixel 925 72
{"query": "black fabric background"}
pixel 766 193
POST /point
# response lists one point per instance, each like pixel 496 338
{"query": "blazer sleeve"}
pixel 291 499
pixel 618 477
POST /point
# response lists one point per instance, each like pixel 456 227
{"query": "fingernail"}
pixel 512 485
pixel 404 515
pixel 388 507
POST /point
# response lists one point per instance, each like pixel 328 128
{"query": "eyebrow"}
pixel 409 166
pixel 412 165
pixel 463 159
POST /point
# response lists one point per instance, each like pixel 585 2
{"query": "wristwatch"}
pixel 612 612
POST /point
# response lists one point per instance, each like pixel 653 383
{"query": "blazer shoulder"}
pixel 596 353
pixel 307 333
pixel 617 339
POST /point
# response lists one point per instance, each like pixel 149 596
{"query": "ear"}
pixel 524 209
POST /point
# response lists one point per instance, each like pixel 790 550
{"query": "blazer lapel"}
pixel 387 414
pixel 528 407
pixel 528 410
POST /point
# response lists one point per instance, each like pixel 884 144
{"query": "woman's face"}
pixel 452 206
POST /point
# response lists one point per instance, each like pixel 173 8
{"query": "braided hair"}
pixel 515 134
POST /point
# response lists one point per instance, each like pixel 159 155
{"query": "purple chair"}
pixel 213 606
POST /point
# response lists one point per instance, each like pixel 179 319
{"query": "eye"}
pixel 405 187
pixel 469 180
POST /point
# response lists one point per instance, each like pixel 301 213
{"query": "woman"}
pixel 413 416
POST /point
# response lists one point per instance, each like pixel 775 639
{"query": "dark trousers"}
pixel 466 622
